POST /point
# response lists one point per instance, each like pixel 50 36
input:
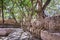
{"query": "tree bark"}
pixel 39 8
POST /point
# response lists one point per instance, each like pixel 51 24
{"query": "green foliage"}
pixel 23 8
pixel 53 7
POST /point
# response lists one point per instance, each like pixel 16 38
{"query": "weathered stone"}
pixel 6 31
pixel 26 36
pixel 52 23
pixel 46 35
pixel 14 35
pixel 19 34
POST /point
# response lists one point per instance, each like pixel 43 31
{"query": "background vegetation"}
pixel 21 9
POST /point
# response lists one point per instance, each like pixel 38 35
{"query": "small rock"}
pixel 26 36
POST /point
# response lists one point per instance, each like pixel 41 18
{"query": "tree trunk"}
pixel 39 8
pixel 0 12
